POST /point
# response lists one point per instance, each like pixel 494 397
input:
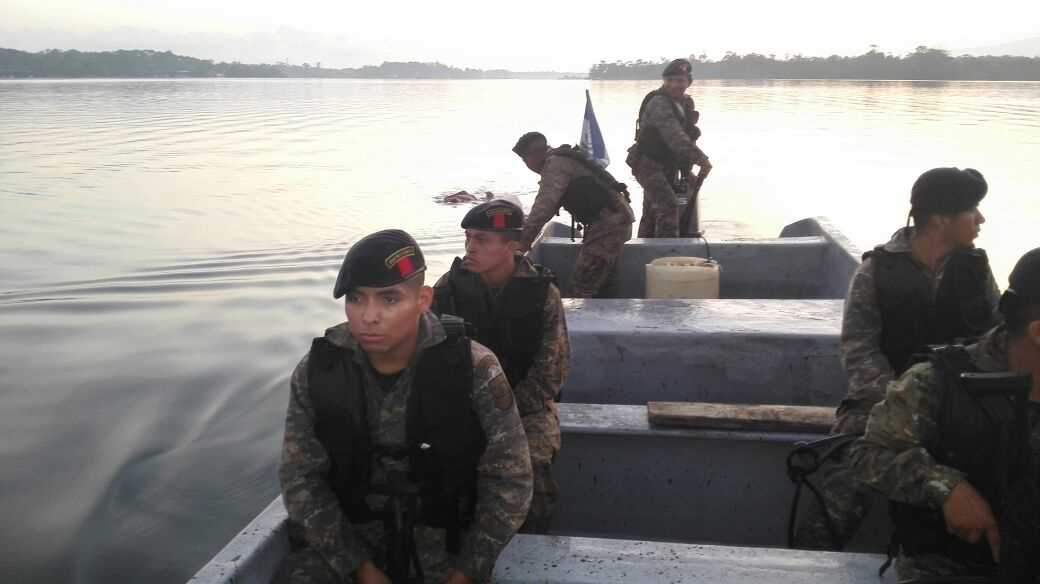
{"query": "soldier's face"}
pixel 386 320
pixel 535 160
pixel 675 85
pixel 963 228
pixel 487 250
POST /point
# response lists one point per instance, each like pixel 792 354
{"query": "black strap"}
pixel 802 462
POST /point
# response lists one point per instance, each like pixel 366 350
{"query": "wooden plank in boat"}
pixel 741 416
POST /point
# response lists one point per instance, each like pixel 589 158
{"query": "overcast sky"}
pixel 521 36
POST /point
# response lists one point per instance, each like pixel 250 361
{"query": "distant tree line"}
pixel 145 63
pixel 922 63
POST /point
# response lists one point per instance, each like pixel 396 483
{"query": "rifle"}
pixel 1019 496
pixel 399 525
pixel 689 211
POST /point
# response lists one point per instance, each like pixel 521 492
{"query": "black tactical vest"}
pixel 585 196
pixel 444 437
pixel 510 324
pixel 912 319
pixel 968 440
pixel 651 143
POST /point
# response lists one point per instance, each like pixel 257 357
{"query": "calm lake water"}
pixel 168 249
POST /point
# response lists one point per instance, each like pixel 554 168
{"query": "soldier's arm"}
pixel 313 508
pixel 659 114
pixel 892 455
pixel 503 474
pixel 868 370
pixel 552 362
pixel 554 181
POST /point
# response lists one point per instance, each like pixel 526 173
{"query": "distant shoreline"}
pixel 923 64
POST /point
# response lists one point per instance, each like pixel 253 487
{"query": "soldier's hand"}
pixel 969 517
pixel 458 577
pixel 368 573
pixel 705 169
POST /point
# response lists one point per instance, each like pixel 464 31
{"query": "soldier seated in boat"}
pixel 516 309
pixel 666 150
pixel 595 200
pixel 957 454
pixel 404 454
pixel 929 284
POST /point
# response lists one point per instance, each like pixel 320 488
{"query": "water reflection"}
pixel 169 247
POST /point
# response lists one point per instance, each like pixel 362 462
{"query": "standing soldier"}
pixel 959 463
pixel 573 181
pixel 404 455
pixel 929 284
pixel 517 312
pixel 666 150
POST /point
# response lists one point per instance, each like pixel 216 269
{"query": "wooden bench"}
pixel 780 418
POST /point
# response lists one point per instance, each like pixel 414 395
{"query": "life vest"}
pixel 651 143
pixel 510 324
pixel 969 427
pixel 586 196
pixel 911 318
pixel 444 438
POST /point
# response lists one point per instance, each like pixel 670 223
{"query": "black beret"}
pixel 1025 278
pixel 379 260
pixel 678 67
pixel 948 191
pixel 525 141
pixel 495 215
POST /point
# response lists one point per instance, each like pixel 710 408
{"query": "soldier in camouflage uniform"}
pixel 666 150
pixel 927 285
pixel 518 314
pixel 594 198
pixel 383 348
pixel 925 450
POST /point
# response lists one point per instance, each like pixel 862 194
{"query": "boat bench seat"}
pixel 720 351
pixel 810 259
pixel 720 486
pixel 530 559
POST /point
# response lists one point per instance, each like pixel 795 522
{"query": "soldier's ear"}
pixel 425 298
pixel 1033 330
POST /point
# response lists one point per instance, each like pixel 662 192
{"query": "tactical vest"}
pixel 510 325
pixel 585 196
pixel 968 440
pixel 911 318
pixel 651 143
pixel 444 437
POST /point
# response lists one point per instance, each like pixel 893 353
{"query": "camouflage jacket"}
pixel 660 114
pixel 504 470
pixel 557 174
pixel 868 370
pixel 893 456
pixel 552 362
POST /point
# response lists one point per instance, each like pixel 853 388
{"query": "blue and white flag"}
pixel 591 141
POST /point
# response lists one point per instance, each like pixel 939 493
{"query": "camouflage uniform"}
pixel 660 205
pixel 595 271
pixel 535 399
pixel 869 373
pixel 333 546
pixel 893 456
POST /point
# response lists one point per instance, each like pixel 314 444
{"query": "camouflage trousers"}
pixel 595 271
pixel 848 500
pixel 306 566
pixel 660 204
pixel 543 439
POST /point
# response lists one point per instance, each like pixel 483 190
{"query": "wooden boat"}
pixel 713 501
